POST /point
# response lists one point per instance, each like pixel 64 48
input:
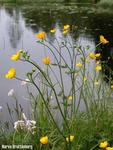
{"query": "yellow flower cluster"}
pixel 104 145
pixel 41 35
pixel 11 73
pixel 93 55
pixel 66 29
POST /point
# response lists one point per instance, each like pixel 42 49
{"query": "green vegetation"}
pixel 58 123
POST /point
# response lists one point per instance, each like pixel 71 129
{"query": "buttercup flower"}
pixel 98 68
pixel 103 144
pixel 70 138
pixel 92 55
pixel 41 35
pixel 16 56
pixel 53 30
pixel 66 27
pixel 79 65
pixel 46 60
pixel 97 55
pixel 11 73
pixel 103 40
pixel 44 140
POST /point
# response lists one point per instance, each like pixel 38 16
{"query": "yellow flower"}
pixel 53 30
pixel 46 60
pixel 11 73
pixel 109 148
pixel 70 98
pixel 103 40
pixel 66 27
pixel 111 86
pixel 98 68
pixel 103 144
pixel 41 35
pixel 16 56
pixel 70 138
pixel 65 32
pixel 79 65
pixel 92 55
pixel 44 140
pixel 97 55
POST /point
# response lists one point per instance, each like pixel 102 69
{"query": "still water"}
pixel 18 26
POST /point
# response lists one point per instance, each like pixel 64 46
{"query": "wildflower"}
pixel 70 98
pixel 16 56
pixel 23 83
pixel 70 138
pixel 79 65
pixel 92 55
pixel 97 55
pixel 41 35
pixel 44 140
pixel 98 68
pixel 46 60
pixel 109 148
pixel 53 30
pixel 66 27
pixel 11 73
pixel 20 124
pixel 11 92
pixel 25 124
pixel 103 40
pixel 65 32
pixel 103 144
pixel 111 86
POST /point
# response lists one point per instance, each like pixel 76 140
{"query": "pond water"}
pixel 18 26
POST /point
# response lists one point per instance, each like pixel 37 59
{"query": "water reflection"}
pixel 18 26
